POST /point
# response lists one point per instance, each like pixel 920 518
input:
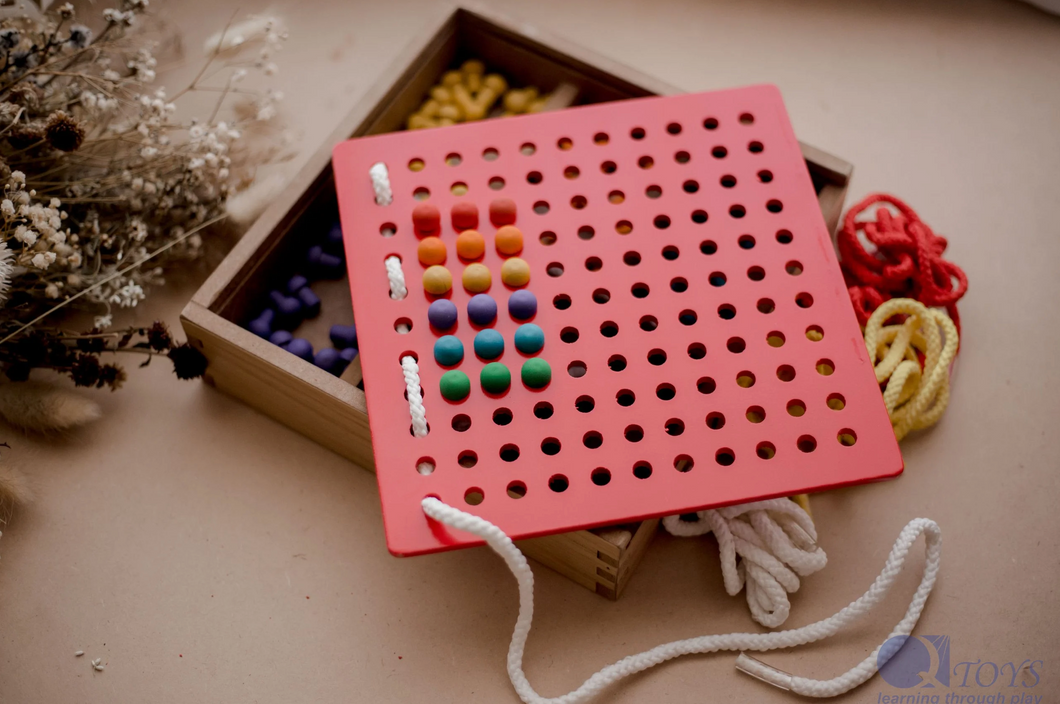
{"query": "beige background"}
pixel 208 554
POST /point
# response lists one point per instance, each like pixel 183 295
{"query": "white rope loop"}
pixel 381 183
pixel 776 543
pixel 520 569
pixel 396 276
pixel 417 411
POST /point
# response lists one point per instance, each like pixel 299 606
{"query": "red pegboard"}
pixel 699 178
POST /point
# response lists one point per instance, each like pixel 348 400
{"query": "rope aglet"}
pixel 764 672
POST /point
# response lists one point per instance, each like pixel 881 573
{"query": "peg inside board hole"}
pixel 516 489
pixel 684 463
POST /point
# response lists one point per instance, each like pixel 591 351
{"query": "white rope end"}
pixel 763 672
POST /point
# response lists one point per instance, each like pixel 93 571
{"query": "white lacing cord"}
pixel 381 183
pixel 777 543
pixel 415 395
pixel 503 546
pixel 396 276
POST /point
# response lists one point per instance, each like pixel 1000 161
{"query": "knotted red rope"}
pixel 907 262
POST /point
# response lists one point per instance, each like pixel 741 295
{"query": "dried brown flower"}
pixel 64 132
pixel 188 362
pixel 111 375
pixel 24 134
pixel 25 94
pixel 85 371
pixel 158 337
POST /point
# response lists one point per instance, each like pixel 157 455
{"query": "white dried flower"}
pixel 128 295
pixel 7 207
pixel 51 291
pixel 103 322
pixel 18 178
pixel 42 260
pixel 111 75
pixel 25 235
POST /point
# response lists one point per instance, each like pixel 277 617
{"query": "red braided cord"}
pixel 907 262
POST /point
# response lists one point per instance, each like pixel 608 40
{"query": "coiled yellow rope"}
pixel 915 397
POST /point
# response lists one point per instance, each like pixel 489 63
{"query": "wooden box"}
pixel 331 410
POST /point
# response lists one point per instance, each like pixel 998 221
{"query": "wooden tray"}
pixel 331 410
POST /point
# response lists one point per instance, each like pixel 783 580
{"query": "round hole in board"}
pixel 547 238
pixel 815 333
pixel 653 191
pixel 726 311
pixel 416 164
pixel 745 379
pixel 577 369
pixel 717 279
pixel 796 408
pixel 711 123
pixel 674 427
pixel 684 463
pixel 747 119
pixel 561 301
pixel 665 392
pixel 645 162
pixel 784 236
pixel 728 181
pixel 601 138
pixel 496 183
pixel 706 385
pixel 516 489
pixel 585 404
pixel 836 402
pixel 642 470
pixel 793 267
pixel 616 362
pixel 825 367
pixel 699 216
pixel 592 440
pixel 608 328
pixel 543 410
pixel 697 350
pixel 565 144
pixel 682 157
pixel 625 398
pixel 736 345
pixel 461 423
pixel 847 437
pixel 555 270
pixel 637 133
pixel 403 326
pixel 661 222
pixel 719 152
pixel 623 227
pixel 453 159
pixel 473 496
pixel 690 186
pixel 558 483
pixel 765 176
pixel 766 305
pixel 534 178
pixel 755 147
pixel 806 443
pixel 725 457
pixel 490 154
pixel 600 476
pixel 586 232
pixel 648 323
pixel 421 193
pixel 550 446
pixel 569 335
pixel 601 296
pixel 425 465
pixel 458 189
pixel 708 247
pixel 594 264
pixel 687 317
pixel 509 452
pixel 631 258
pixel 673 128
pixel 804 300
pixel 715 420
pixel 616 197
pixel 388 229
pixel 737 211
pixel 786 372
pixel 775 339
pixel 766 450
pixel 502 416
pixel 467 459
pixel 572 172
pixel 678 284
pixel 640 290
pixel 541 207
pixel 756 273
pixel 746 242
pixel 528 149
pixel 656 357
pixel 609 167
pixel 755 414
pixel 633 433
pixel 670 253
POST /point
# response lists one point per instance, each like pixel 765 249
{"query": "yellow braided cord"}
pixel 915 397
